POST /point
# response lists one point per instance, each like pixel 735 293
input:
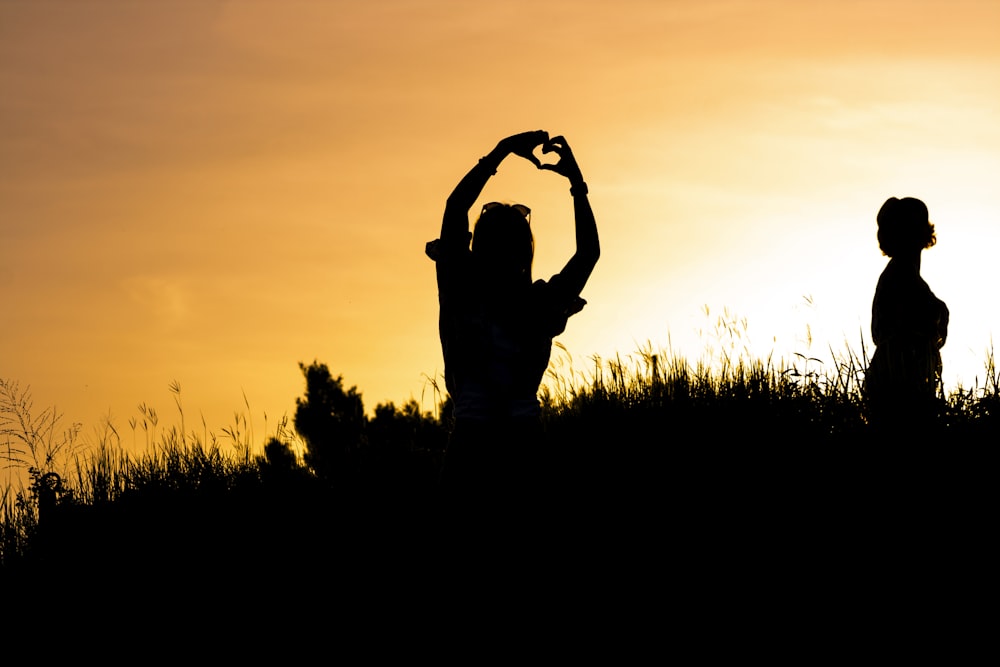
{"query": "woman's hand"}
pixel 455 226
pixel 566 165
pixel 524 145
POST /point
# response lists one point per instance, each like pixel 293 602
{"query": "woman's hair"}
pixel 502 238
pixel 903 226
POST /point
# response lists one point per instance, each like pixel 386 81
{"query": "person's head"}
pixel 904 227
pixel 502 244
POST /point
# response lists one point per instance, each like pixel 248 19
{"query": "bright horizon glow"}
pixel 213 192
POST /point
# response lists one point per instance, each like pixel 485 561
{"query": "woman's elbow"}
pixel 594 253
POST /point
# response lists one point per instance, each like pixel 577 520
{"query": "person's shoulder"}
pixel 895 276
pixel 554 284
pixel 448 249
pixel 546 289
pixel 553 293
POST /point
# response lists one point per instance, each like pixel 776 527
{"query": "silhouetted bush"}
pixel 405 445
pixel 636 446
pixel 279 457
pixel 332 423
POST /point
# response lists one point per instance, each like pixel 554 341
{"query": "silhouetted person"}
pixel 909 326
pixel 497 325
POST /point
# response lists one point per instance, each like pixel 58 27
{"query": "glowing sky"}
pixel 211 192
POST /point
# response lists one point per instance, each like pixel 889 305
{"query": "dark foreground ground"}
pixel 692 521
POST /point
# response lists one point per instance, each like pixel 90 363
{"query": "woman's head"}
pixel 904 227
pixel 502 243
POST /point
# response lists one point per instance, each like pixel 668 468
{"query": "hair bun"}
pixel 888 211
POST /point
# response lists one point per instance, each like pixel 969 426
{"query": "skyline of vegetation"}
pixel 623 421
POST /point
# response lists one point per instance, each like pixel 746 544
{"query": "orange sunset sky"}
pixel 211 192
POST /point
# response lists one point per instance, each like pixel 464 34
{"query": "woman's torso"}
pixel 909 326
pixel 496 348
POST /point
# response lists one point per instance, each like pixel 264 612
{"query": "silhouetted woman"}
pixel 909 325
pixel 497 325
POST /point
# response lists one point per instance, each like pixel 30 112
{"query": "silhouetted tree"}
pixel 278 455
pixel 332 423
pixel 405 444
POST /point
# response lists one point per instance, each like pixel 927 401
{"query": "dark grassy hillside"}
pixel 658 461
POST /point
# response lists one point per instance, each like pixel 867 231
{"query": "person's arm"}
pixel 455 226
pixel 941 322
pixel 588 248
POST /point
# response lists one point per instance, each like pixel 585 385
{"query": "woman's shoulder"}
pixel 898 278
pixel 546 289
pixel 448 249
pixel 553 294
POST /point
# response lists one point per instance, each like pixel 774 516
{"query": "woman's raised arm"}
pixel 455 227
pixel 588 247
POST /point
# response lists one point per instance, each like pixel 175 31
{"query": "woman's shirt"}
pixel 905 311
pixel 909 327
pixel 496 346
